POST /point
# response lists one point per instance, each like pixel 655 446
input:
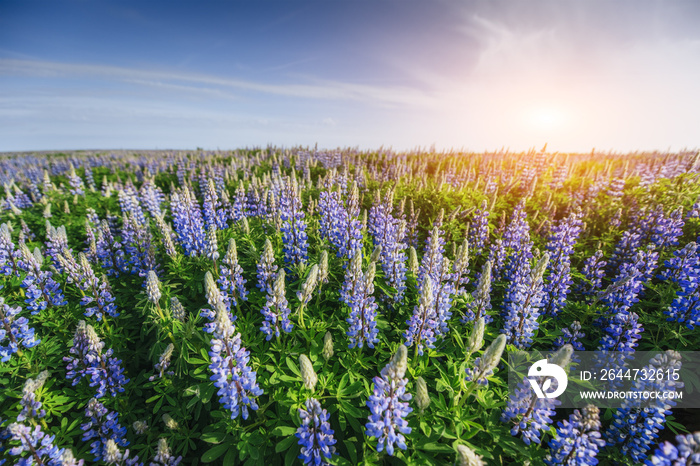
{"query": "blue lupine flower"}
pixel 214 214
pixel 103 426
pixel 694 211
pixel 105 371
pixel 357 294
pixel 481 298
pixel 667 229
pixel 76 183
pixel 646 227
pixel 529 414
pixel 684 270
pixel 432 262
pixel 560 246
pixel 412 225
pixel 390 233
pixel 138 243
pixel 130 205
pixel 686 453
pixel 686 307
pixel 276 310
pixel 617 345
pixel 255 207
pixel 267 268
pixel 497 257
pixel 110 251
pixel 163 456
pixel 422 324
pixel 293 226
pixel 559 177
pixel 594 271
pixel 231 281
pixel 31 407
pixel 571 336
pixel 36 443
pixel 26 231
pixel 238 206
pixel 577 440
pixel 428 324
pixel 479 229
pixel 10 257
pixel 636 424
pixel 14 331
pixel 231 374
pixel 188 222
pixel 315 434
pixel 41 289
pixel 388 405
pixel 517 232
pixel 616 188
pixel 628 285
pixel 339 223
pixel 94 290
pixel 523 301
pixel 684 263
pixel 152 197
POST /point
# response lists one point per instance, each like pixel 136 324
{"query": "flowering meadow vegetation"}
pixel 276 306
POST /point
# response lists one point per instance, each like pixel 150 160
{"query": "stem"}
pixel 301 315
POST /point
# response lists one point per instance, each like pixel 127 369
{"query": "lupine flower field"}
pixel 296 306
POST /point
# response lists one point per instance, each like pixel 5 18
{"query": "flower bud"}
pixel 476 338
pixel 140 427
pixel 211 290
pixel 323 267
pixel 153 287
pixel 169 422
pixel 467 457
pixel 376 253
pixel 562 357
pixel 327 346
pixel 177 309
pixel 400 361
pixel 369 275
pixel 422 398
pixel 413 260
pixel 492 355
pixel 231 256
pixel 308 376
pixel 112 454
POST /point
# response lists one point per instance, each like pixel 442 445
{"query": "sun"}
pixel 546 118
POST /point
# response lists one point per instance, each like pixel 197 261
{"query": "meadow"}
pixel 288 306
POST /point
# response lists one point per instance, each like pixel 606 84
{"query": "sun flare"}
pixel 546 118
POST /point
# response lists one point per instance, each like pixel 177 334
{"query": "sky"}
pixel 468 75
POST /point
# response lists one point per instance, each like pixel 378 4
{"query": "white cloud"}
pixel 315 89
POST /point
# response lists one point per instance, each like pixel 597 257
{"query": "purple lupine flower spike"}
pixel 388 405
pixel 315 434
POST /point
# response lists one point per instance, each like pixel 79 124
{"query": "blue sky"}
pixel 478 75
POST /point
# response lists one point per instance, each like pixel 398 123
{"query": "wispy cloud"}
pixel 315 89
